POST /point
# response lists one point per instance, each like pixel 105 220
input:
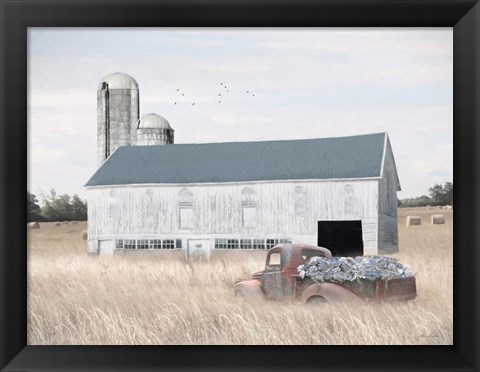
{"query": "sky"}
pixel 307 82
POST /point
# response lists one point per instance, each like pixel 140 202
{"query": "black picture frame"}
pixel 17 16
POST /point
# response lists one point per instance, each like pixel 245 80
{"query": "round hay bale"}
pixel 33 225
pixel 65 223
pixel 438 219
pixel 58 224
pixel 74 222
pixel 85 235
pixel 449 207
pixel 414 220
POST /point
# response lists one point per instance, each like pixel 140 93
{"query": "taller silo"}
pixel 118 110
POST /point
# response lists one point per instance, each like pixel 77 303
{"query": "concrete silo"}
pixel 118 110
pixel 153 129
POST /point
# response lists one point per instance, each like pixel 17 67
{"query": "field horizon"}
pixel 159 298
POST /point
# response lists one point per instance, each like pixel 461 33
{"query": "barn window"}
pixel 119 244
pixel 168 244
pixel 155 244
pixel 186 209
pixel 245 243
pixel 129 244
pixel 232 244
pixel 258 243
pixel 220 243
pixel 271 243
pixel 299 201
pixel 249 207
pixel 178 243
pixel 349 200
pixel 142 244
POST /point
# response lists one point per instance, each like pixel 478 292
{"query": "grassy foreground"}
pixel 140 298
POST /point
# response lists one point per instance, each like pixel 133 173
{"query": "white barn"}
pixel 339 193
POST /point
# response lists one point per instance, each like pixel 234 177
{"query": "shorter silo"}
pixel 153 129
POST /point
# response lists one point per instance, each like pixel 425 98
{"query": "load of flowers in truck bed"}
pixel 341 269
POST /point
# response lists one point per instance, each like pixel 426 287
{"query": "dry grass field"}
pixel 140 298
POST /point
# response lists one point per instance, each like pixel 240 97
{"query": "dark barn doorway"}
pixel 342 238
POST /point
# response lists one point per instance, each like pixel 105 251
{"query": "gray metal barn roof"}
pixel 324 158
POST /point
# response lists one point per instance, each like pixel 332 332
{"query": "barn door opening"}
pixel 342 238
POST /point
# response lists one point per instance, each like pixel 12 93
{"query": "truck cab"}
pixel 279 279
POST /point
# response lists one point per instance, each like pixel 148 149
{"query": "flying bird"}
pixel 183 94
pixel 227 90
pixel 247 91
pixel 219 101
pixel 178 90
pixel 175 103
pixel 219 94
pixel 221 83
pixel 193 104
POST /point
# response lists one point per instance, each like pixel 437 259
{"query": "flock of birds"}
pixel 222 93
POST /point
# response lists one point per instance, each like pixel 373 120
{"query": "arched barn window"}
pixel 300 201
pixel 149 205
pixel 113 206
pixel 249 207
pixel 186 208
pixel 349 200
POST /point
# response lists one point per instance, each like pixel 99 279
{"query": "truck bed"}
pixel 398 289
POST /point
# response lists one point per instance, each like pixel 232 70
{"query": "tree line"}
pixel 437 195
pixel 56 208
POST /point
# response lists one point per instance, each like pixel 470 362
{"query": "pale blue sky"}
pixel 308 83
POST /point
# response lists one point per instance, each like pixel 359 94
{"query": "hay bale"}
pixel 58 224
pixel 449 207
pixel 33 225
pixel 414 220
pixel 85 235
pixel 65 223
pixel 438 219
pixel 74 222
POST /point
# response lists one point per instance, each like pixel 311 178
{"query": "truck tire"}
pixel 239 293
pixel 332 293
pixel 317 300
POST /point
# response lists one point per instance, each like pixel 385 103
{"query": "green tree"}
pixel 48 208
pixel 79 208
pixel 33 209
pixel 441 194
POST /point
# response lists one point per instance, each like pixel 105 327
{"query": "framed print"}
pixel 194 143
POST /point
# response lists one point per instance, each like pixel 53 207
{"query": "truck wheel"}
pixel 317 300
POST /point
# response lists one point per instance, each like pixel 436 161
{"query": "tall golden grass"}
pixel 141 298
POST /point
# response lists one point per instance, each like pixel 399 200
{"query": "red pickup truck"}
pixel 280 281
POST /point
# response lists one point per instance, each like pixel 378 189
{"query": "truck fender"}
pixel 250 289
pixel 330 292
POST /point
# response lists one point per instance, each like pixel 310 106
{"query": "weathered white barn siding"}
pixel 387 213
pixel 284 209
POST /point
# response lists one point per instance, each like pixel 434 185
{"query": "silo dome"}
pixel 118 80
pixel 153 121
